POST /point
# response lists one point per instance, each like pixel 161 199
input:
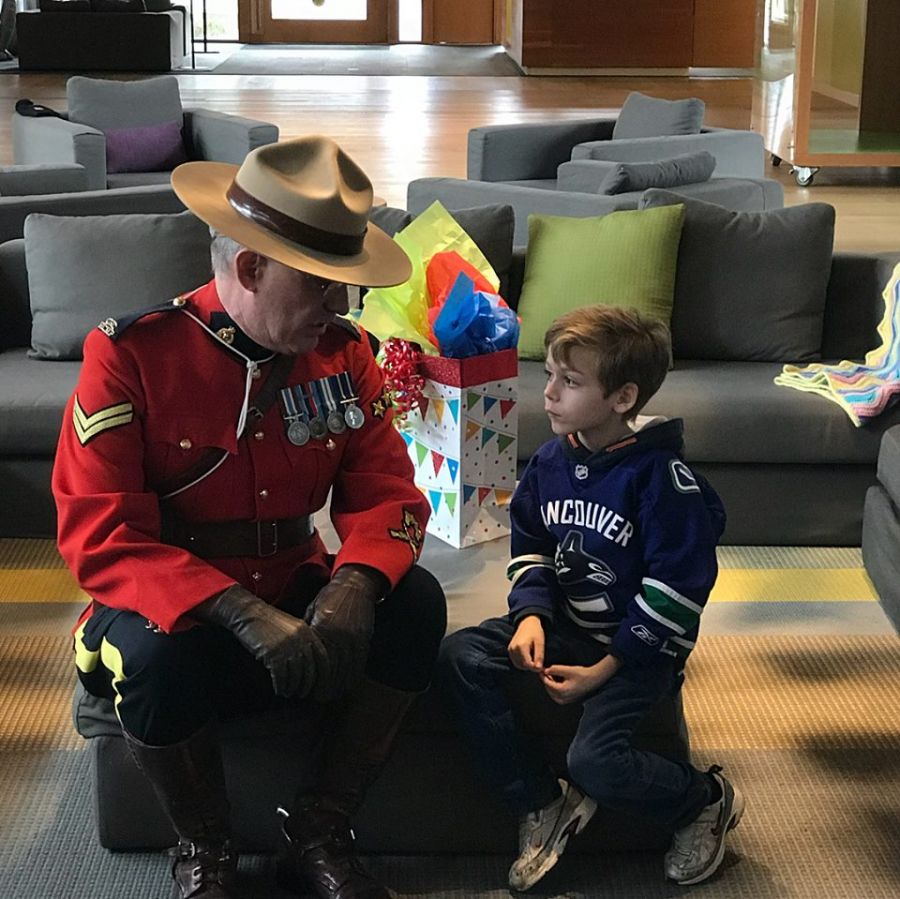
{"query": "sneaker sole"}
pixel 737 811
pixel 583 813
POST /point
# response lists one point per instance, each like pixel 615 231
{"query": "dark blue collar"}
pixel 228 330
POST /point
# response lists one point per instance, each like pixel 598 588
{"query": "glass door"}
pixel 324 21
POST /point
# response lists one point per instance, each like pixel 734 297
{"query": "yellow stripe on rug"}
pixel 793 585
pixel 39 585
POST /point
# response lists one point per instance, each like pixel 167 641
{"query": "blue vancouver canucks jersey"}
pixel 622 541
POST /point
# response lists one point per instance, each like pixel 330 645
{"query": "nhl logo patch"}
pixel 682 477
pixel 581 472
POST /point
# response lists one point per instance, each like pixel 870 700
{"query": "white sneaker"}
pixel 699 847
pixel 543 835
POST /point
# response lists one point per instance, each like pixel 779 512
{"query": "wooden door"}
pixel 318 21
pixel 458 22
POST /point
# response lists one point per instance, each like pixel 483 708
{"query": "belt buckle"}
pixel 266 538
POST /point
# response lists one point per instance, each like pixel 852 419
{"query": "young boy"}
pixel 613 558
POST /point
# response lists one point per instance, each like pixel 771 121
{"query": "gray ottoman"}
pixel 881 527
pixel 426 801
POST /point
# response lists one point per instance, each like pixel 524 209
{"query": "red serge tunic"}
pixel 154 400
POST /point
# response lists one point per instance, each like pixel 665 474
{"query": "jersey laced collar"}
pixel 667 434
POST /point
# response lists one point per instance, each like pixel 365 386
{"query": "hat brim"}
pixel 202 186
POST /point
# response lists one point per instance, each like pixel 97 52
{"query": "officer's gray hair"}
pixel 222 251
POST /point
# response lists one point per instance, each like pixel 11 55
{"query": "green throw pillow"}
pixel 622 259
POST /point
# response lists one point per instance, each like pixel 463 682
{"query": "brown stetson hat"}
pixel 304 203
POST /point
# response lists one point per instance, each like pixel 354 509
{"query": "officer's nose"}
pixel 337 300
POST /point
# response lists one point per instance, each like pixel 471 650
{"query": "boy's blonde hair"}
pixel 628 346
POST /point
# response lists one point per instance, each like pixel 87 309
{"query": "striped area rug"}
pixel 806 720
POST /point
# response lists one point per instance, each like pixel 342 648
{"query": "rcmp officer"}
pixel 201 438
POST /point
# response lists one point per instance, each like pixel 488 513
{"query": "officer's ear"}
pixel 248 269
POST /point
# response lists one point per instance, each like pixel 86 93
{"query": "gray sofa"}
pixel 544 197
pixel 33 393
pixel 881 527
pixel 102 41
pixel 791 468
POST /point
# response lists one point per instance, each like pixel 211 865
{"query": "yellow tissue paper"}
pixel 402 311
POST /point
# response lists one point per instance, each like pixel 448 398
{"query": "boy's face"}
pixel 576 402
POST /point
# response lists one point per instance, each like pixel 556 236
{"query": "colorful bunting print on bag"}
pixel 462 441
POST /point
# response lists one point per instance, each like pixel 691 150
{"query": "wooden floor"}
pixel 401 128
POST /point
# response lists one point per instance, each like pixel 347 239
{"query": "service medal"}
pixel 336 423
pixel 354 416
pixel 318 428
pixel 298 433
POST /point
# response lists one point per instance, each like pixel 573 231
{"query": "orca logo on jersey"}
pixel 580 574
pixel 683 478
pixel 643 633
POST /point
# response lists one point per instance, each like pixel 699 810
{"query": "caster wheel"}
pixel 776 161
pixel 804 175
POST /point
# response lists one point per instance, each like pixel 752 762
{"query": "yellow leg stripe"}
pixel 792 585
pixel 85 659
pixel 108 655
pixel 113 662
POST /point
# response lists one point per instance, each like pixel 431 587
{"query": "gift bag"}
pixel 462 442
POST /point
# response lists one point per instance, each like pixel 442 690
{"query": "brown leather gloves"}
pixel 343 614
pixel 292 650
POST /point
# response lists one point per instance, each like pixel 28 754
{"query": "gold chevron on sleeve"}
pixel 87 427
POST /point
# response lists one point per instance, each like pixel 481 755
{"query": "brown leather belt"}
pixel 225 539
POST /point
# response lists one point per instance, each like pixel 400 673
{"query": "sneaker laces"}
pixel 687 837
pixel 534 823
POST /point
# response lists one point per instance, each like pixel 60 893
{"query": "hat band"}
pixel 290 228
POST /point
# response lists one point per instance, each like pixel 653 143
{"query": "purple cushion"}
pixel 144 148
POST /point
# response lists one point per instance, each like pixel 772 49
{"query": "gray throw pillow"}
pixel 84 269
pixel 644 116
pixel 689 168
pixel 750 286
pixel 390 219
pixel 105 104
pixel 491 227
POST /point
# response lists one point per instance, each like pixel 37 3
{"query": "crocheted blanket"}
pixel 862 390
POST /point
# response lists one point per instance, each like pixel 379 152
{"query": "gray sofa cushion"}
pixel 491 227
pixel 750 286
pixel 644 116
pixel 690 168
pixel 84 269
pixel 31 403
pixel 104 104
pixel 734 413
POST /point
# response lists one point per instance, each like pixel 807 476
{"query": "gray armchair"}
pixel 97 106
pixel 534 151
pixel 24 180
pixel 647 129
pixel 558 168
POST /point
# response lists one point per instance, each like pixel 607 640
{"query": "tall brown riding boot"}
pixel 189 782
pixel 320 859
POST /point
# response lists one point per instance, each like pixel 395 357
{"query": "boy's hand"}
pixel 570 683
pixel 526 649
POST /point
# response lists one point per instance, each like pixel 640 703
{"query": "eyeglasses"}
pixel 322 286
